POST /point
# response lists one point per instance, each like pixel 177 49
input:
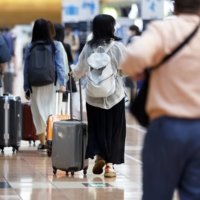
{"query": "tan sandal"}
pixel 99 164
pixel 109 172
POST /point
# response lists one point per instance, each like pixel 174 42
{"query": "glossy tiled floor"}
pixel 28 173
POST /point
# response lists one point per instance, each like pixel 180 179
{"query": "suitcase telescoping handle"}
pixel 81 100
pixel 57 103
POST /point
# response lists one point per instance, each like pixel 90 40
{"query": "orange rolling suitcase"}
pixel 50 121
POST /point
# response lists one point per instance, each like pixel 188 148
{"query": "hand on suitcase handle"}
pixel 62 89
pixel 27 97
pixel 70 74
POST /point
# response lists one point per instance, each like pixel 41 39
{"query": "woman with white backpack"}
pixel 100 60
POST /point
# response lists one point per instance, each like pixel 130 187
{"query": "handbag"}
pixel 138 106
pixel 74 88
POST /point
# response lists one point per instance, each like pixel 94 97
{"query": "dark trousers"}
pixel 171 159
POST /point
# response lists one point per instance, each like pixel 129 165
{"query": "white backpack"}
pixel 101 78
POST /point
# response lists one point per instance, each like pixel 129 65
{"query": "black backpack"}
pixel 41 69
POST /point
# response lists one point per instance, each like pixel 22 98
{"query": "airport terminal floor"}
pixel 28 174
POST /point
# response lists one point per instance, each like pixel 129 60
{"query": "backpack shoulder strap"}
pixel 109 46
pixel 35 44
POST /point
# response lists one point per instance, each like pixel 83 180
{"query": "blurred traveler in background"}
pixel 171 153
pixel 134 34
pixel 52 31
pixel 106 115
pixel 60 34
pixel 61 106
pixel 43 98
pixel 132 86
pixel 11 69
pixel 4 55
pixel 72 40
pixel 10 40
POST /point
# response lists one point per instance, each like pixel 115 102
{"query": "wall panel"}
pixel 25 11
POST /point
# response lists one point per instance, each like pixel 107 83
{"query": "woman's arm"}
pixel 59 65
pixel 66 63
pixel 80 69
pixel 145 52
pixel 118 52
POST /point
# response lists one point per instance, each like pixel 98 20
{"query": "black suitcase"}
pixel 10 121
pixel 69 142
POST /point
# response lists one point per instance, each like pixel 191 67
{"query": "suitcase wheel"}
pixel 67 173
pixel 13 149
pixel 29 142
pixel 49 148
pixel 54 170
pixel 2 149
pixel 84 172
pixel 72 173
pixel 49 153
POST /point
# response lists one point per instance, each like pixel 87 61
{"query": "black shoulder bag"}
pixel 137 107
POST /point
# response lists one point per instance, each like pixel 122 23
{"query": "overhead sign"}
pixel 79 10
pixel 152 9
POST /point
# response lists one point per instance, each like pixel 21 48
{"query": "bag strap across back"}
pixel 109 46
pixel 179 47
pixel 37 43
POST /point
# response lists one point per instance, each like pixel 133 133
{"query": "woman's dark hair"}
pixel 187 6
pixel 136 29
pixel 52 30
pixel 41 33
pixel 60 32
pixel 103 30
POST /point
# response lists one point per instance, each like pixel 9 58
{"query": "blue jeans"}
pixel 171 159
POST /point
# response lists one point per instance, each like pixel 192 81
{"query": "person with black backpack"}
pixel 44 73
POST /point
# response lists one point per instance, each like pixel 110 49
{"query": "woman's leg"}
pixel 42 145
pixel 42 138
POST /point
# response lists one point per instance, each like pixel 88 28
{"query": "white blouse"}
pixel 116 53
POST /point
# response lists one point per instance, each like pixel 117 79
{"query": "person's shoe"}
pixel 99 164
pixel 42 147
pixel 109 172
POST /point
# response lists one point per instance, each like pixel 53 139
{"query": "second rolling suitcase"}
pixel 10 121
pixel 28 127
pixel 51 119
pixel 69 143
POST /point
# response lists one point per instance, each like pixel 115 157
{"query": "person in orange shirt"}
pixel 171 152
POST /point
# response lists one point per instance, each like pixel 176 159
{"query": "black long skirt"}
pixel 107 132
